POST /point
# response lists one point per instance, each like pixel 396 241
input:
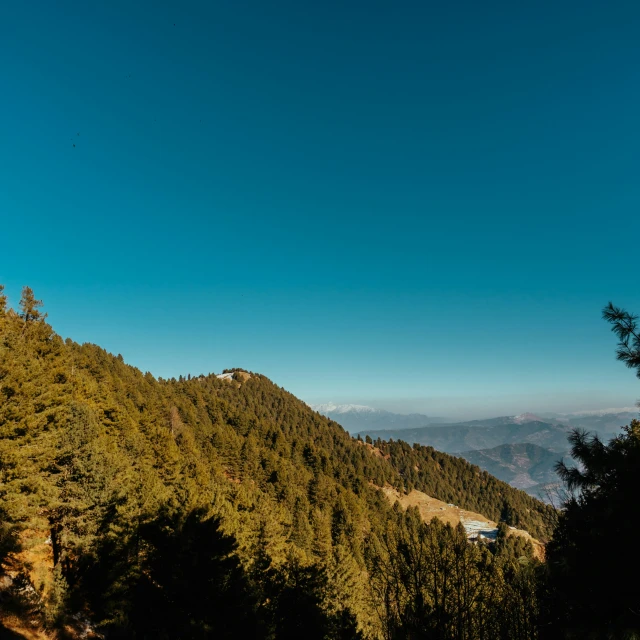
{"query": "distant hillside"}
pixel 483 434
pixel 605 423
pixel 355 417
pixel 522 465
pixel 454 480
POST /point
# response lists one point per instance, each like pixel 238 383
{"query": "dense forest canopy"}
pixel 207 507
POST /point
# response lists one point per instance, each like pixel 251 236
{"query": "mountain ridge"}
pixel 481 434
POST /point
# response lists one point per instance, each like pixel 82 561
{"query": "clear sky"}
pixel 417 205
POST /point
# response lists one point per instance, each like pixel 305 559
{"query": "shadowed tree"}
pixel 8 536
pixel 295 596
pixel 192 584
pixel 592 564
pixel 592 561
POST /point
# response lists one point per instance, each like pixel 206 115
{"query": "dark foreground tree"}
pixel 430 583
pixel 593 564
pixel 190 584
pixel 294 606
pixel 625 326
pixel 8 536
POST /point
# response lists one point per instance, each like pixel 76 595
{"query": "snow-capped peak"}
pixel 331 407
pixel 526 417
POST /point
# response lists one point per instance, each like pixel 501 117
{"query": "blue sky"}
pixel 422 206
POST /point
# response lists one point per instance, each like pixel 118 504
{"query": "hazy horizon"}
pixel 453 408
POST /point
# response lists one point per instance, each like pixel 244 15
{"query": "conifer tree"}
pixel 3 301
pixel 592 563
pixel 625 326
pixel 301 531
pixel 29 306
pixel 322 543
pixel 58 597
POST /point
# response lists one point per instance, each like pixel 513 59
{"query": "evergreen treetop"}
pixel 29 306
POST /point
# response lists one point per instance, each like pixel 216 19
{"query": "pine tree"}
pixel 591 562
pixel 625 326
pixel 321 522
pixel 58 597
pixel 29 305
pixel 3 301
pixel 301 531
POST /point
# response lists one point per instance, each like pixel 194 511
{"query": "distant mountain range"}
pixel 605 423
pixel 483 434
pixel 525 466
pixel 550 433
pixel 521 450
pixel 358 417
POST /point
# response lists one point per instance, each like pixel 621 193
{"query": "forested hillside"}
pixel 454 480
pixel 205 507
